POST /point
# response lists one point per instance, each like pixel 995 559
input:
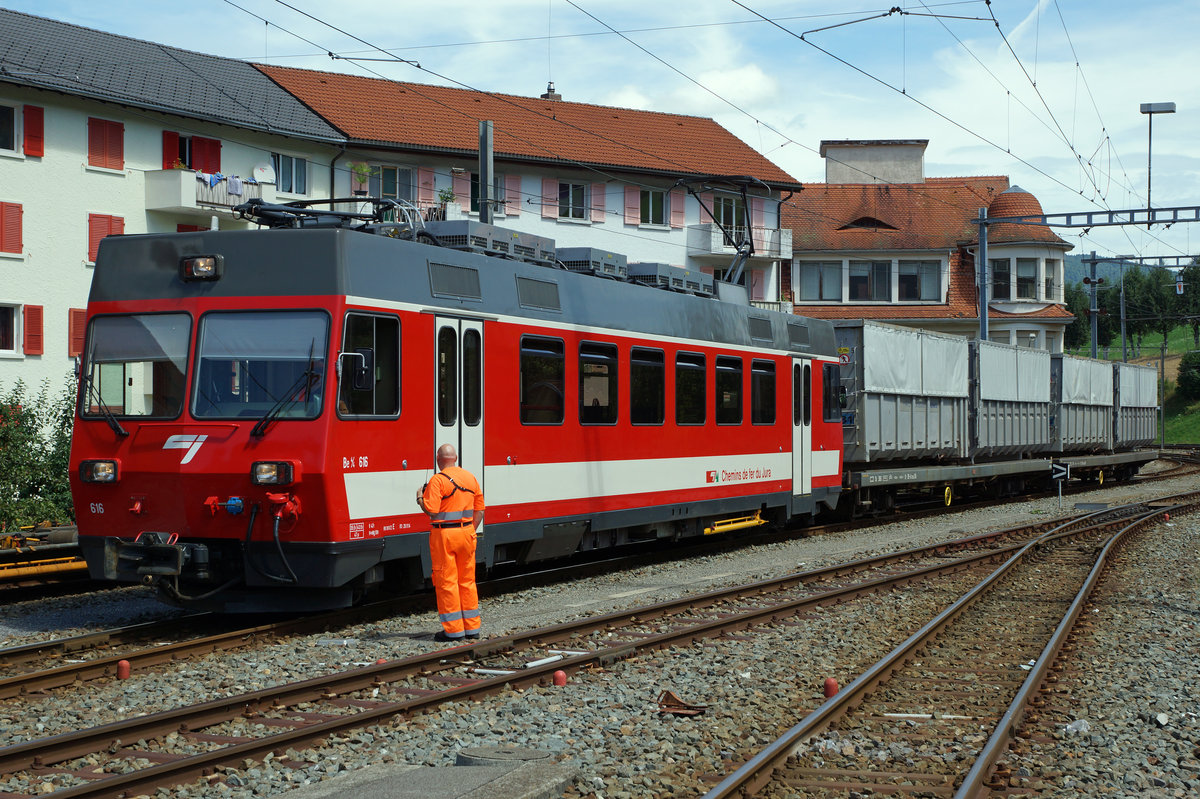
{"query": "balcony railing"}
pixel 781 307
pixel 769 243
pixel 182 191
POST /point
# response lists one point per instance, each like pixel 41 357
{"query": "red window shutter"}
pixel 35 131
pixel 206 154
pixel 115 146
pixel 106 143
pixel 549 198
pixel 76 324
pixel 10 228
pixel 95 141
pixel 116 225
pixel 189 229
pixel 599 190
pixel 424 187
pixel 633 205
pixel 678 207
pixel 99 226
pixel 512 195
pixel 170 149
pixel 462 189
pixel 33 330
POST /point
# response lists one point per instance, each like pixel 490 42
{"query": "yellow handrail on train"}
pixel 739 523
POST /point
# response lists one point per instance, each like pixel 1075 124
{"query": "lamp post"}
pixel 1150 109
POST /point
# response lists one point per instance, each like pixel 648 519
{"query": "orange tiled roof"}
pixel 441 119
pixel 934 215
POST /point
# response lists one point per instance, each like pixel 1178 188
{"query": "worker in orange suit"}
pixel 453 501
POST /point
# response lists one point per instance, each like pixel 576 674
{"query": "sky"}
pixel 1046 92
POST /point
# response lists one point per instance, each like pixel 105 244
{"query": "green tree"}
pixel 1159 301
pixel 1189 376
pixel 1136 325
pixel 1190 301
pixel 1078 332
pixel 35 449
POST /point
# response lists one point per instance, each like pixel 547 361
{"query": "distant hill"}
pixel 1074 270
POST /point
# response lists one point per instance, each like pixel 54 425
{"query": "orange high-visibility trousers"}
pixel 452 552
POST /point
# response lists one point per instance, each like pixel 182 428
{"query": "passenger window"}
pixel 832 411
pixel 647 386
pixel 372 343
pixel 690 400
pixel 447 376
pixel 729 390
pixel 762 392
pixel 543 368
pixel 597 383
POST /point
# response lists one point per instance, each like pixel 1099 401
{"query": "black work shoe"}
pixel 472 636
pixel 442 638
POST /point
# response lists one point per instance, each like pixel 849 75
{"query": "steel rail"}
pixel 974 784
pixel 56 749
pixel 757 771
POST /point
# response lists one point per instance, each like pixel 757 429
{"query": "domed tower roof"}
pixel 1015 201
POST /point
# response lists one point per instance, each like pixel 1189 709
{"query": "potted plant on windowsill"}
pixel 360 177
pixel 446 197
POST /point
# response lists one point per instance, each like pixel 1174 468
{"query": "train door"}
pixel 801 434
pixel 459 385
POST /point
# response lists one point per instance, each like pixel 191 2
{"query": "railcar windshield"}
pixel 260 364
pixel 134 366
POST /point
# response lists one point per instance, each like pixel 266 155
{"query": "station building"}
pixel 879 240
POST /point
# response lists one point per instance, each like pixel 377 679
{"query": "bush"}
pixel 1189 376
pixel 35 451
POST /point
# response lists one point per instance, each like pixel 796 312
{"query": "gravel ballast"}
pixel 606 721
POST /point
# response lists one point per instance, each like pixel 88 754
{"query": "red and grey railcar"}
pixel 258 409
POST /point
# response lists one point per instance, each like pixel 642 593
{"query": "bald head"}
pixel 446 456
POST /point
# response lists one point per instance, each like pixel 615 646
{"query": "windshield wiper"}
pixel 306 381
pixel 105 411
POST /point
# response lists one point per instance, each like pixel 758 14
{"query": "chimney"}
pixel 550 93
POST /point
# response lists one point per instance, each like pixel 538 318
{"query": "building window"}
pixel 395 183
pixel 654 207
pixel 10 228
pixel 762 392
pixel 572 200
pixel 1026 278
pixel 597 383
pixel 1051 280
pixel 8 128
pixel 919 281
pixel 498 193
pixel 870 281
pixel 730 214
pixel 647 386
pixel 8 329
pixel 821 281
pixel 291 174
pixel 193 152
pixel 106 143
pixel 690 403
pixel 1000 337
pixel 729 390
pixel 1001 279
pixel 542 380
pixel 99 226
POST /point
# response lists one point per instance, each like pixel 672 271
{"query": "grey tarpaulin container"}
pixel 1082 392
pixel 906 392
pixel 1137 405
pixel 1010 404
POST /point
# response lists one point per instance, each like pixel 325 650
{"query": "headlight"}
pixel 98 471
pixel 271 473
pixel 201 267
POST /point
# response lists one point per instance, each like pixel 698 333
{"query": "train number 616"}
pixel 97 507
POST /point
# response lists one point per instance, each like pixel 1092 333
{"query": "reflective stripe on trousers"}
pixel 452 551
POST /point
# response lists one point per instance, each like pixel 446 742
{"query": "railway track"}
pixel 178 745
pixel 936 715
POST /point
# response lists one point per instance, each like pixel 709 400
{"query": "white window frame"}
pixel 397 169
pixel 920 262
pixel 17 351
pixel 826 269
pixel 17 130
pixel 646 212
pixel 499 193
pixel 277 164
pixel 584 207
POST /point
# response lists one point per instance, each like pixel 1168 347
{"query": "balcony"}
pixel 779 307
pixel 707 241
pixel 179 191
